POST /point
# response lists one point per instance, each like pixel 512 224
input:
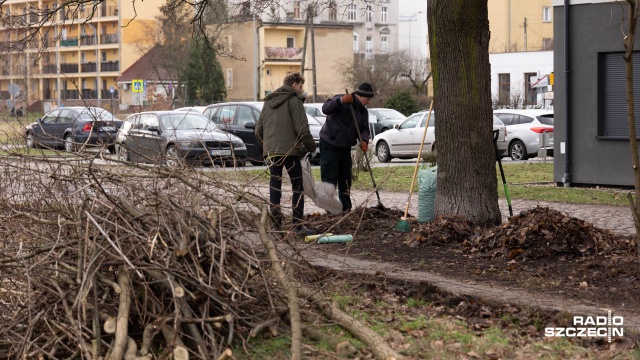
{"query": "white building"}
pixel 522 79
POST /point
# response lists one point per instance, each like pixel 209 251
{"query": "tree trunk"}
pixel 459 45
pixel 629 42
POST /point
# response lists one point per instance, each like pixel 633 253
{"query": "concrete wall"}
pixel 594 28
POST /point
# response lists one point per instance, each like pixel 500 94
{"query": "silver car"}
pixel 528 131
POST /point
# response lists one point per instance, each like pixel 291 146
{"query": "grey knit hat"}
pixel 365 90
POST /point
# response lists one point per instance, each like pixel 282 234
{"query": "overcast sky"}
pixel 413 35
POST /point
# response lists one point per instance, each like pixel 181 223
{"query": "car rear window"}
pixel 546 119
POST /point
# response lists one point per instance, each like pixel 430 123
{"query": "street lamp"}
pixel 95 34
pixel 410 20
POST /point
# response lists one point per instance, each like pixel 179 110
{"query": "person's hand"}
pixel 314 153
pixel 364 146
pixel 347 98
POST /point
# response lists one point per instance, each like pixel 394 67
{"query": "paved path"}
pixel 615 218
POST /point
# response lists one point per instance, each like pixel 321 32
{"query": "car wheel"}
pixel 172 157
pixel 382 152
pixel 123 153
pixel 517 150
pixel 31 141
pixel 69 146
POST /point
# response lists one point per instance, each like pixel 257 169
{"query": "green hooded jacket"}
pixel 283 127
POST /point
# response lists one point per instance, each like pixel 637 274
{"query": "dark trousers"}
pixel 335 168
pixel 294 169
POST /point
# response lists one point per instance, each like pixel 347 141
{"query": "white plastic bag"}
pixel 322 194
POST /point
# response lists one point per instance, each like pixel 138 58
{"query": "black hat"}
pixel 365 90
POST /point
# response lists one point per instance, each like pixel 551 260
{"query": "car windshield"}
pixel 388 114
pixel 187 121
pixel 96 113
pixel 546 119
pixel 313 121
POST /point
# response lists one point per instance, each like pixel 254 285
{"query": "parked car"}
pixel 403 141
pixel 73 128
pixel 524 132
pixel 501 141
pixel 174 137
pixel 315 110
pixel 384 119
pixel 199 109
pixel 239 118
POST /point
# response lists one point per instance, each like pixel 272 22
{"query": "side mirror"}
pixel 250 125
pixel 39 120
pixel 154 128
pixel 396 126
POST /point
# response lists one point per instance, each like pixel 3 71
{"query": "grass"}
pixel 526 181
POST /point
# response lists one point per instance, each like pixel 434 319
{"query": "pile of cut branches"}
pixel 104 259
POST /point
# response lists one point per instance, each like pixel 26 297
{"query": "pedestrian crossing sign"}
pixel 137 85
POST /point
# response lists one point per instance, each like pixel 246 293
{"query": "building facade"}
pixel 517 25
pixel 522 79
pixel 591 134
pixel 73 55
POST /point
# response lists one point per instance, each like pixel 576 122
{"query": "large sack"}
pixel 322 194
pixel 427 181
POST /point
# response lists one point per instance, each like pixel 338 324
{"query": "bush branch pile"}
pixel 103 259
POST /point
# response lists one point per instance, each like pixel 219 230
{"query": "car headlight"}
pixel 190 143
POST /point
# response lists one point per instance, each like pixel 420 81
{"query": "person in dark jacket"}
pixel 339 134
pixel 283 133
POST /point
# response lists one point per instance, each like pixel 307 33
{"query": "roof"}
pixel 143 69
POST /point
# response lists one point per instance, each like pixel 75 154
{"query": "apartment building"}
pixel 517 25
pixel 272 45
pixel 73 55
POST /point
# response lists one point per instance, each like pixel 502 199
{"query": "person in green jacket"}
pixel 283 133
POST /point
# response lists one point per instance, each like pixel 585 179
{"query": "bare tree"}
pixel 629 41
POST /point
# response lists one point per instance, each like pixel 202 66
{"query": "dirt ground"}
pixel 538 251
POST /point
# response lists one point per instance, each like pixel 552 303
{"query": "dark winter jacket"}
pixel 339 129
pixel 283 127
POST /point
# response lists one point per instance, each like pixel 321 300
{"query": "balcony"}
pixel 106 94
pixel 69 42
pixel 88 67
pixel 49 69
pixel 89 94
pixel 109 10
pixel 109 39
pixel 283 53
pixel 69 68
pixel 87 40
pixel 109 66
pixel 69 94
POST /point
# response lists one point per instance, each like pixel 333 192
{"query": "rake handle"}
pixel 415 170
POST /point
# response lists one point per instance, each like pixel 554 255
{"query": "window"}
pixel 356 42
pixel 291 41
pixel 227 42
pixel 268 72
pixel 352 11
pixel 384 44
pixel 149 120
pixel 229 78
pixel 83 58
pixel 369 46
pixel 369 13
pixel 546 13
pixel 612 91
pixel 504 89
pixel 530 93
pixel 296 10
pixel 384 13
pixel 547 44
pixel 104 56
pixel 333 10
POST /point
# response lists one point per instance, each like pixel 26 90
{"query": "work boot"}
pixel 303 231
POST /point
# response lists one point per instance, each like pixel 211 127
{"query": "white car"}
pixel 315 110
pixel 525 132
pixel 403 141
pixel 198 109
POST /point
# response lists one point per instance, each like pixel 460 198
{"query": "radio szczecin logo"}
pixel 590 326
